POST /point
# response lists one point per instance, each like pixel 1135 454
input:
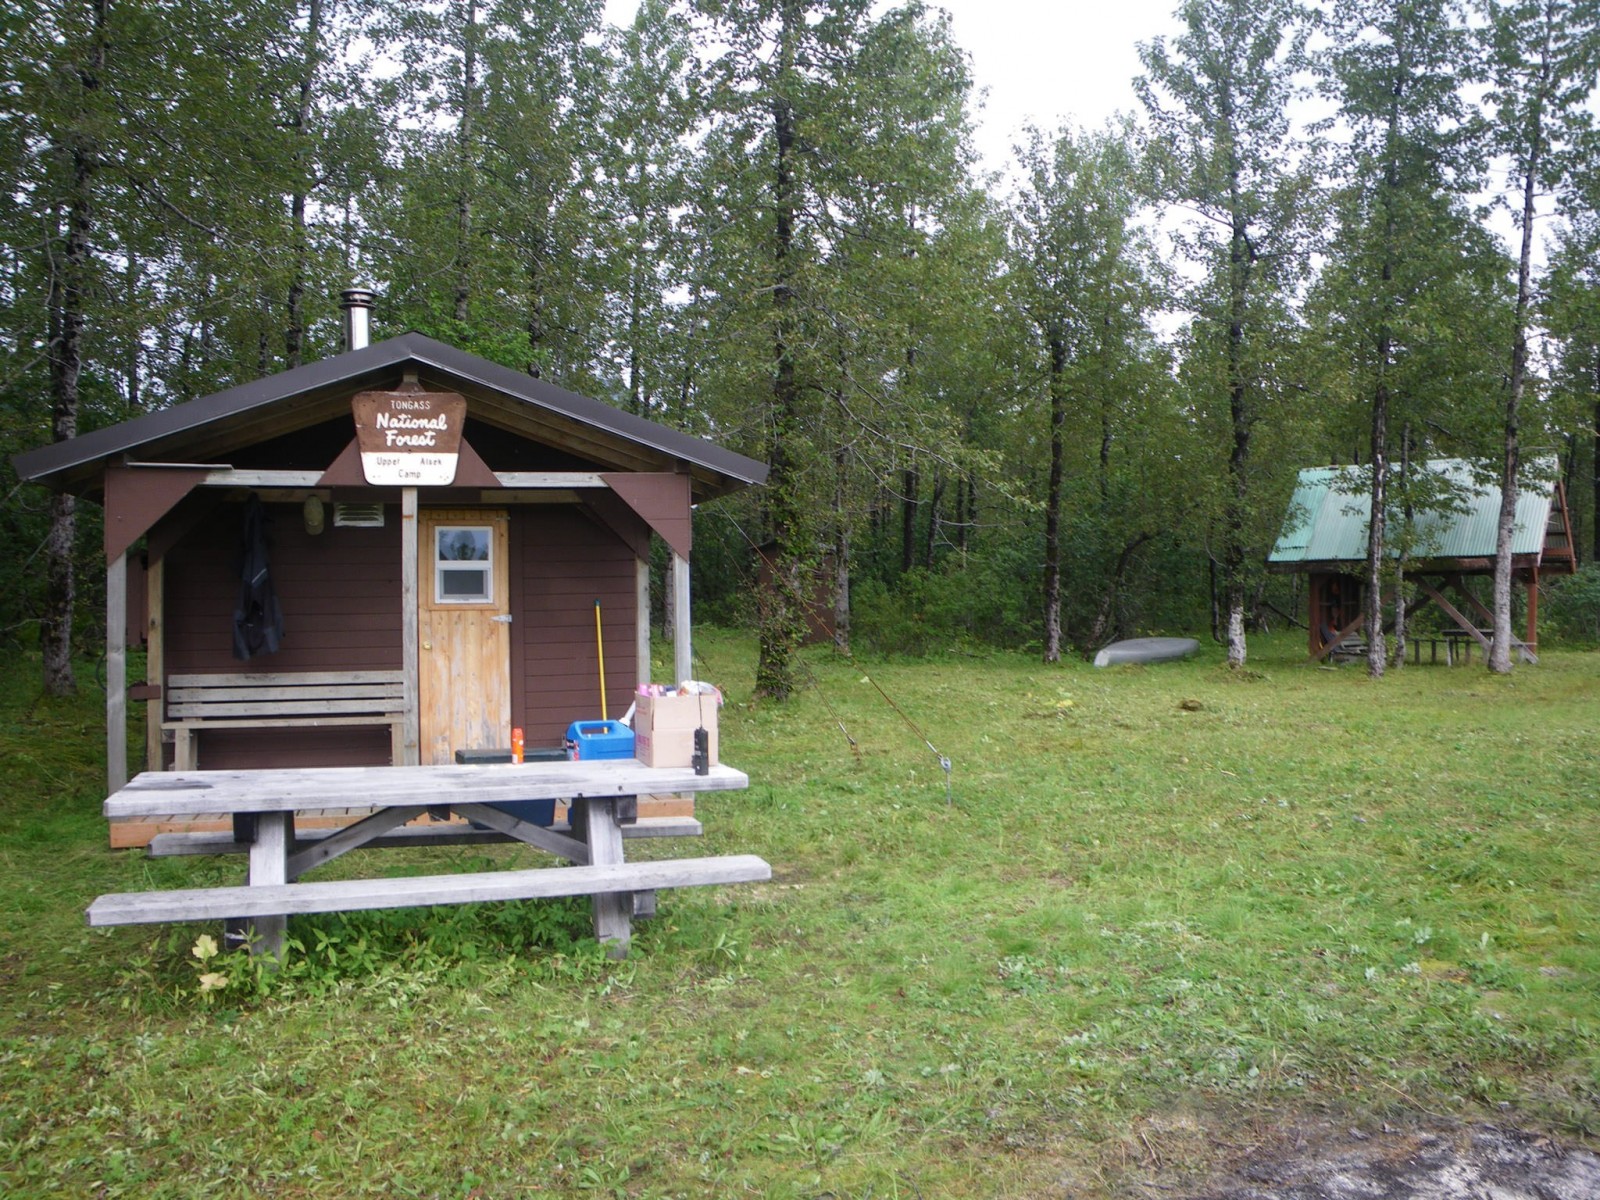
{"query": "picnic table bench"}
pixel 263 803
pixel 279 700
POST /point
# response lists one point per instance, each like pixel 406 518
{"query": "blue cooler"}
pixel 588 741
pixel 535 812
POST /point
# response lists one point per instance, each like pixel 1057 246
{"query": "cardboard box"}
pixel 672 747
pixel 664 729
pixel 675 712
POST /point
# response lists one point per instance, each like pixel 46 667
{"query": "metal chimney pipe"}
pixel 357 305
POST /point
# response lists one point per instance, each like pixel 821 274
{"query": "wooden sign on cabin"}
pixel 409 438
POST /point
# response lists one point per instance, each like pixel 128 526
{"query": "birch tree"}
pixel 1218 98
pixel 1082 283
pixel 1542 67
pixel 1397 72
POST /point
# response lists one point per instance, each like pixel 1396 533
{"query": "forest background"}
pixel 1042 408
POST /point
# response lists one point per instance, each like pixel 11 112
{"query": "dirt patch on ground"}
pixel 1479 1162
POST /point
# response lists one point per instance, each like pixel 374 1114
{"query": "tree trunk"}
pixel 780 631
pixel 910 485
pixel 465 132
pixel 1594 467
pixel 958 516
pixel 1052 507
pixel 1242 260
pixel 1233 560
pixel 1377 650
pixel 1377 525
pixel 300 125
pixel 841 552
pixel 636 301
pixel 969 527
pixel 669 613
pixel 133 386
pixel 1211 597
pixel 69 284
pixel 535 326
pixel 1500 648
pixel 1105 621
pixel 1400 612
pixel 931 537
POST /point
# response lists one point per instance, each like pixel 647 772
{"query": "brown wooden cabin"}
pixel 555 495
pixel 1324 537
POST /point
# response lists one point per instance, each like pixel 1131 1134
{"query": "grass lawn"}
pixel 1169 913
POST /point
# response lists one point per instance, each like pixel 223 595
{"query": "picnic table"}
pixel 602 795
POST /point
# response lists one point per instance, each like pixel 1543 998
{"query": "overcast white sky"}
pixel 1049 62
pixel 1044 61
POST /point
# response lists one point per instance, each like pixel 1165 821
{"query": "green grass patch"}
pixel 1164 907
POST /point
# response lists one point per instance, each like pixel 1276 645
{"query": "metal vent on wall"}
pixel 362 516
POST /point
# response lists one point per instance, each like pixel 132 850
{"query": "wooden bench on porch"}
pixel 275 700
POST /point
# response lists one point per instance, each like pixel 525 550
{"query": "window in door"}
pixel 463 566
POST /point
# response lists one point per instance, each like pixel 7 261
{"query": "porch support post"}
pixel 642 617
pixel 155 654
pixel 682 651
pixel 116 672
pixel 408 626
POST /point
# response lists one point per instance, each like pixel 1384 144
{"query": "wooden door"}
pixel 464 631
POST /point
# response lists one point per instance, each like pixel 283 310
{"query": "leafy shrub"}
pixel 923 611
pixel 1572 606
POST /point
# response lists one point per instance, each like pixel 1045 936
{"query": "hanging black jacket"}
pixel 257 619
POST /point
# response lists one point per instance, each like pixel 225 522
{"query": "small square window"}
pixel 458 544
pixel 463 568
pixel 457 586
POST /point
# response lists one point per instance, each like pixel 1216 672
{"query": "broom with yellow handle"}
pixel 600 649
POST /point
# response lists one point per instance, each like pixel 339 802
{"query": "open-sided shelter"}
pixel 1325 538
pixel 451 546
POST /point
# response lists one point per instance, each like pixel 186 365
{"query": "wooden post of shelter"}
pixel 682 651
pixel 117 671
pixel 408 626
pixel 155 654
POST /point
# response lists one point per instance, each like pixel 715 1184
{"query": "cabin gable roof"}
pixel 207 430
pixel 1327 520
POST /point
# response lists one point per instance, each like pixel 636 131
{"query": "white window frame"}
pixel 484 566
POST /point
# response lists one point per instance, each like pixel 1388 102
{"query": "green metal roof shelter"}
pixel 1324 536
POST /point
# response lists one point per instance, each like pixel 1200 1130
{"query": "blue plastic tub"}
pixel 591 740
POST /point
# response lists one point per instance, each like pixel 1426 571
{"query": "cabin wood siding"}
pixel 564 562
pixel 340 594
pixel 136 628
